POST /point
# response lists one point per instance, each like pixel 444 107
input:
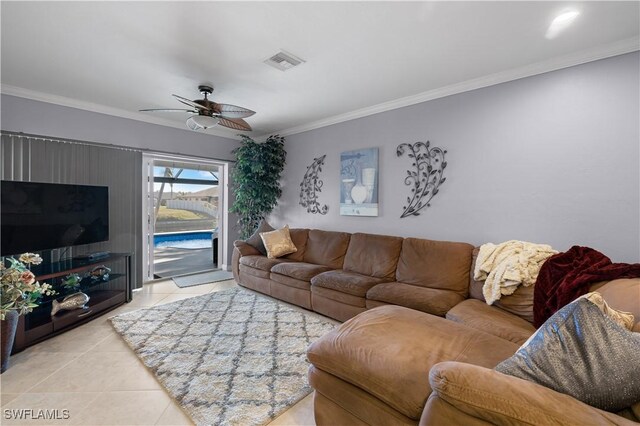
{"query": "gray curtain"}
pixel 27 158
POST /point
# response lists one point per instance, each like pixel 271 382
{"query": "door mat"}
pixel 232 357
pixel 204 278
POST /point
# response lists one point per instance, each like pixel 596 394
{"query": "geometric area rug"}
pixel 232 357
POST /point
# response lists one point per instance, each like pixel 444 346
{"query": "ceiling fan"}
pixel 209 113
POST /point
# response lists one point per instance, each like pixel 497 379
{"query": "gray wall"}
pixel 55 121
pixel 40 118
pixel 37 160
pixel 552 158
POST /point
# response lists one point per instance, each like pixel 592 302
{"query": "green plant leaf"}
pixel 256 180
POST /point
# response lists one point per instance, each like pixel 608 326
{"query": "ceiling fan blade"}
pixel 232 111
pixel 191 103
pixel 234 123
pixel 168 109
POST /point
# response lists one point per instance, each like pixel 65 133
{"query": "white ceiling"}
pixel 361 57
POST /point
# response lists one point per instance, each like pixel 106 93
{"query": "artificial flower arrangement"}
pixel 20 291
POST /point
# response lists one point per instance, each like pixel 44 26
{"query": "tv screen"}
pixel 40 216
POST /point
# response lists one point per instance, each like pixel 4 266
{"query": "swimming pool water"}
pixel 188 240
pixel 188 244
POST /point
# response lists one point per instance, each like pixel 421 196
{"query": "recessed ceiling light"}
pixel 561 22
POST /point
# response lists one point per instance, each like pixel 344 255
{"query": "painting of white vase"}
pixel 359 178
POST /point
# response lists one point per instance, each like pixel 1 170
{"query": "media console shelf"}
pixel 104 294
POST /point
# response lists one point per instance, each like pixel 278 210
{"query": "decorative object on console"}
pixel 426 177
pixel 100 273
pixel 8 327
pixel 19 294
pixel 278 243
pixel 71 281
pixel 311 185
pixel 20 291
pixel 73 301
pixel 359 177
pixel 606 376
pixel 256 180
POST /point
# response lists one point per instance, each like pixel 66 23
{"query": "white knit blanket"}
pixel 507 265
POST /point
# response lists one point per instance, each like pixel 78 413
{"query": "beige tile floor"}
pixel 93 374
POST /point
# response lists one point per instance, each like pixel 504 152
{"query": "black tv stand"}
pixel 105 294
pixel 98 255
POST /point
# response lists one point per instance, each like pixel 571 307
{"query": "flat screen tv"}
pixel 41 216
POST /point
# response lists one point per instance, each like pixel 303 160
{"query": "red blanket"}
pixel 567 276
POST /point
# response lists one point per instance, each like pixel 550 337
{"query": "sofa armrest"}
pixel 504 400
pixel 245 249
pixel 240 248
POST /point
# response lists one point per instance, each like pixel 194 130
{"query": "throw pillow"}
pixel 278 242
pixel 255 240
pixel 580 351
pixel 624 319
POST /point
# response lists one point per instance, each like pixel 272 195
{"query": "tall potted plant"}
pixel 19 294
pixel 256 180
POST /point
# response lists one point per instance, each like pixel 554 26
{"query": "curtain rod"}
pixel 106 145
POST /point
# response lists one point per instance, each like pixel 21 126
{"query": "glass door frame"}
pixel 148 208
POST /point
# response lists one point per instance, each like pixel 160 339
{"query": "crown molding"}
pixel 594 54
pixel 600 52
pixel 20 92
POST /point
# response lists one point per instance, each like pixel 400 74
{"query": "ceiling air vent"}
pixel 283 61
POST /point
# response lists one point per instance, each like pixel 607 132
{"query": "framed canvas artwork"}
pixel 359 182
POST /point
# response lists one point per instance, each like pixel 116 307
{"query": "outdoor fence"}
pixel 196 206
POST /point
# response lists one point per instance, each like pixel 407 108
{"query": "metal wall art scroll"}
pixel 426 176
pixel 359 178
pixel 311 185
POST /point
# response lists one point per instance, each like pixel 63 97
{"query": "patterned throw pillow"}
pixel 278 242
pixel 255 240
pixel 582 352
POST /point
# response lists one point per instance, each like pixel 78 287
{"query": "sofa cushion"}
pixel 519 303
pixel 373 255
pixel 255 240
pixel 334 309
pixel 493 320
pixel 291 282
pixel 606 375
pixel 326 248
pixel 435 264
pixel 388 352
pixel 300 270
pixel 431 300
pixel 346 282
pixel 244 270
pixel 360 407
pixel 260 262
pixel 622 294
pixel 299 237
pixel 245 249
pixel 338 296
pixel 494 398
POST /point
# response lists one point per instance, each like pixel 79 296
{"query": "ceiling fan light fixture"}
pixel 197 122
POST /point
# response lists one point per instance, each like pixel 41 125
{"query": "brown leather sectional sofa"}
pixel 425 355
pixel 341 275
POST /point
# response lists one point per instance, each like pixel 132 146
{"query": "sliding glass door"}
pixel 184 220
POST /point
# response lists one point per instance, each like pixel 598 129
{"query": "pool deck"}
pixel 173 261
